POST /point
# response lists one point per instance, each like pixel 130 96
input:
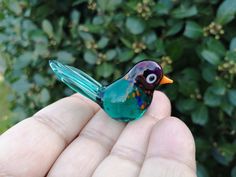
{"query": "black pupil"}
pixel 151 78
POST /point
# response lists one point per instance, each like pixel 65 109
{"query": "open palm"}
pixel 73 137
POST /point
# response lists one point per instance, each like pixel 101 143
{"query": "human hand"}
pixel 74 137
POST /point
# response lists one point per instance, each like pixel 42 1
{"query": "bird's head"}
pixel 147 75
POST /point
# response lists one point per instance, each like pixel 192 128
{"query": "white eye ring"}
pixel 151 78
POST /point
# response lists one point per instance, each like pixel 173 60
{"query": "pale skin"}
pixel 74 137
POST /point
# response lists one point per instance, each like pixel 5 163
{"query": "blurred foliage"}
pixel 5 122
pixel 194 40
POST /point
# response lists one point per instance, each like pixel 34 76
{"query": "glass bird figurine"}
pixel 127 98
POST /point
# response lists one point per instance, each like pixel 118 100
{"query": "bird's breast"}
pixel 124 101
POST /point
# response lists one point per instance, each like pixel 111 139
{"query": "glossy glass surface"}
pixel 125 99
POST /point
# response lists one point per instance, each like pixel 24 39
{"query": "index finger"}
pixel 31 147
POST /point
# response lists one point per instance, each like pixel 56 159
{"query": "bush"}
pixel 194 40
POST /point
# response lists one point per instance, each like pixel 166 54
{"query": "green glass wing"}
pixel 77 80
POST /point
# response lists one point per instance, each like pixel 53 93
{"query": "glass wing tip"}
pixel 56 66
pixel 53 64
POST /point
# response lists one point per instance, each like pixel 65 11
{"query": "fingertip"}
pixel 160 106
pixel 172 139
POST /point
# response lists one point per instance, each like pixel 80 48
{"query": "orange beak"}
pixel 166 80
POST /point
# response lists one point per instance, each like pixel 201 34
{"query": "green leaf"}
pixel 232 96
pixel 135 25
pixel 150 38
pixel 47 28
pixel 192 30
pixel 173 49
pixel 19 113
pixel 184 11
pixel 224 154
pixel 75 17
pixel 174 29
pixel 208 73
pixel 167 69
pixel 44 96
pixel 109 5
pixel 5 123
pixel 38 36
pixel 98 20
pixel 211 99
pixel 102 43
pixel 202 144
pixel 233 172
pixel 24 60
pixel 3 65
pixel 15 7
pixel 77 2
pixel 201 171
pixel 65 57
pixel 200 115
pixel 111 54
pixel 126 42
pixel 5 110
pixel 22 85
pixel 189 74
pixel 39 80
pixel 90 57
pixel 139 58
pixel 163 8
pixel 160 48
pixel 233 44
pixel 40 50
pixel 227 107
pixel 155 23
pixel 231 55
pixel 94 28
pixel 86 36
pixel 210 57
pixel 216 46
pixel 186 105
pixel 125 55
pixel 219 87
pixel 187 88
pixel 105 70
pixel 2 16
pixel 226 11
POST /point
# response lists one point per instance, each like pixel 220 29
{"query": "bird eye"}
pixel 151 78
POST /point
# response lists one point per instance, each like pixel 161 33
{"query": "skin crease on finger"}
pixel 171 146
pixel 128 153
pixel 171 151
pixel 30 147
pixel 101 123
pixel 90 147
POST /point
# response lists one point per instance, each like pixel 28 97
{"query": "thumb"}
pixel 171 151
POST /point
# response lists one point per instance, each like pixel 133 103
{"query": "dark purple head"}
pixel 146 74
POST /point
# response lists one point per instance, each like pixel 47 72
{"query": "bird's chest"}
pixel 124 101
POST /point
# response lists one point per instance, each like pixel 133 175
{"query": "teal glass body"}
pixel 127 98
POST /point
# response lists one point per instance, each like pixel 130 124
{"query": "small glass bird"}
pixel 127 98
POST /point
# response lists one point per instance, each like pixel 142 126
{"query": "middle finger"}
pixel 128 153
pixel 94 143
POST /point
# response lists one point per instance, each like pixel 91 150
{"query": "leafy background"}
pixel 195 41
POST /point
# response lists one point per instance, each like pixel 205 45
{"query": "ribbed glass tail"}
pixel 77 80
